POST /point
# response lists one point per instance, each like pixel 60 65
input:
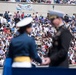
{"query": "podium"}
pixel 8 70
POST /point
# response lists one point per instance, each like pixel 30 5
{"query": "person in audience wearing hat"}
pixel 22 47
pixel 58 54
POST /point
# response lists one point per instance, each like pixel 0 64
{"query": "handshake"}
pixel 46 61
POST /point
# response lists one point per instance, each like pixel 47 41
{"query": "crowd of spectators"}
pixel 42 32
pixel 45 1
pixel 65 1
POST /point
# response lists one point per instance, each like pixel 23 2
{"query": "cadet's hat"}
pixel 24 22
pixel 54 14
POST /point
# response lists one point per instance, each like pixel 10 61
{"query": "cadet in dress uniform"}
pixel 58 54
pixel 23 48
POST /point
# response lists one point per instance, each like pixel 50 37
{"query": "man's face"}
pixel 56 22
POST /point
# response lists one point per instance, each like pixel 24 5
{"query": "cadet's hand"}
pixel 47 61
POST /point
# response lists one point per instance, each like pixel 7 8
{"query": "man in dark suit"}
pixel 58 54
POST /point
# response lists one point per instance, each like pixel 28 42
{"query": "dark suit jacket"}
pixel 23 45
pixel 59 52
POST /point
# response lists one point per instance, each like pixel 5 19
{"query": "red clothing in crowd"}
pixel 46 47
pixel 22 15
pixel 5 30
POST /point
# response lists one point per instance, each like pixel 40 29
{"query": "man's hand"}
pixel 47 61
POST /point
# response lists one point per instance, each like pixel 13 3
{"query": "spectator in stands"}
pixel 6 15
pixel 22 15
pixel 28 1
pixel 48 1
pixel 17 17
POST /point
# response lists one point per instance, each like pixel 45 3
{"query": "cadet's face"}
pixel 56 22
pixel 29 30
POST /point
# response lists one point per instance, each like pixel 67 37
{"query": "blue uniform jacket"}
pixel 23 45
